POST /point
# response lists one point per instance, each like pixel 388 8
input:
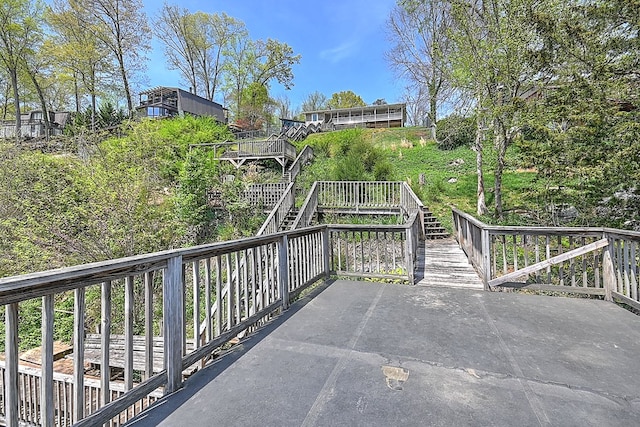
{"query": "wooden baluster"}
pixel 105 337
pixel 46 383
pixel 173 320
pixel 128 333
pixel 78 354
pixel 148 325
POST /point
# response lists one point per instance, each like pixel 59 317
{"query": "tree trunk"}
pixel 43 104
pixel 501 148
pixel 481 206
pixel 16 103
pixel 127 89
pixel 76 92
pixel 432 117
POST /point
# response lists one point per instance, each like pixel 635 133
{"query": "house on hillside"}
pixel 372 116
pixel 33 125
pixel 161 102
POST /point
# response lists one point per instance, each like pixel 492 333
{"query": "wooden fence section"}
pixel 197 299
pixel 374 251
pixel 497 251
pixel 304 157
pixel 280 210
pixel 238 152
pixel 265 195
pixel 359 197
pixel 168 293
pixel 30 384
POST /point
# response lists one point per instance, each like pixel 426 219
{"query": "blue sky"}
pixel 342 43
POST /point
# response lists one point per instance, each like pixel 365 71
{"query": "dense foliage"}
pixel 139 193
pixel 351 156
pixel 556 78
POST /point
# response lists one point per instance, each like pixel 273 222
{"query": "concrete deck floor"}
pixel 371 354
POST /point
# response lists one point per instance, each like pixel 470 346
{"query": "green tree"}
pixel 197 44
pixel 274 61
pixel 176 30
pixel 121 25
pixel 345 99
pixel 419 32
pixel 494 42
pixel 315 101
pixel 19 33
pixel 79 55
pixel 582 133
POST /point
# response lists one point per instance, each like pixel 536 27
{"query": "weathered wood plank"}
pixel 173 321
pixel 78 356
pixel 11 396
pixel 553 288
pixel 549 262
pixel 46 384
pixel 105 330
pixel 128 333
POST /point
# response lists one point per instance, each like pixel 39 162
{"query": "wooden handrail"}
pixel 496 251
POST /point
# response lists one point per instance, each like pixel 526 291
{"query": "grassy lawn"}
pixel 449 175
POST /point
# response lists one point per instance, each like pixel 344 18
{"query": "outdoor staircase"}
pixel 433 229
pixel 289 219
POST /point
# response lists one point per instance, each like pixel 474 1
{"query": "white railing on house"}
pixel 366 118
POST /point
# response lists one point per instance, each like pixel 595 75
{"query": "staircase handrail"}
pixel 305 155
pixel 279 211
pixel 308 208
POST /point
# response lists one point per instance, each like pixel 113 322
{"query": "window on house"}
pixel 314 117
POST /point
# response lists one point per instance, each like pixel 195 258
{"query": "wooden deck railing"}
pixel 280 210
pixel 360 197
pixel 30 381
pixel 265 195
pixel 161 289
pixel 375 251
pixel 257 149
pixel 596 261
pixel 294 170
pixel 211 293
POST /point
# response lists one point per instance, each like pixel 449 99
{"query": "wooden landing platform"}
pixel 443 263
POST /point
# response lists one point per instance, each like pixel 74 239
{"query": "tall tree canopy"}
pixel 121 25
pixel 20 32
pixel 198 44
pixel 345 99
pixel 419 32
pixel 557 77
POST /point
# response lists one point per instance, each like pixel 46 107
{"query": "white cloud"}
pixel 339 52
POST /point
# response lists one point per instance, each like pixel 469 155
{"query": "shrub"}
pixel 455 131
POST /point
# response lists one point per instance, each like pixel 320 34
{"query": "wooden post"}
pixel 105 337
pixel 409 254
pixel 283 267
pixel 609 275
pixel 46 386
pixel 486 258
pixel 325 252
pixel 78 354
pixel 11 397
pixel 173 320
pixel 148 325
pixel 128 333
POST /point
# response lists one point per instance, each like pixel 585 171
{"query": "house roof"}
pixel 180 91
